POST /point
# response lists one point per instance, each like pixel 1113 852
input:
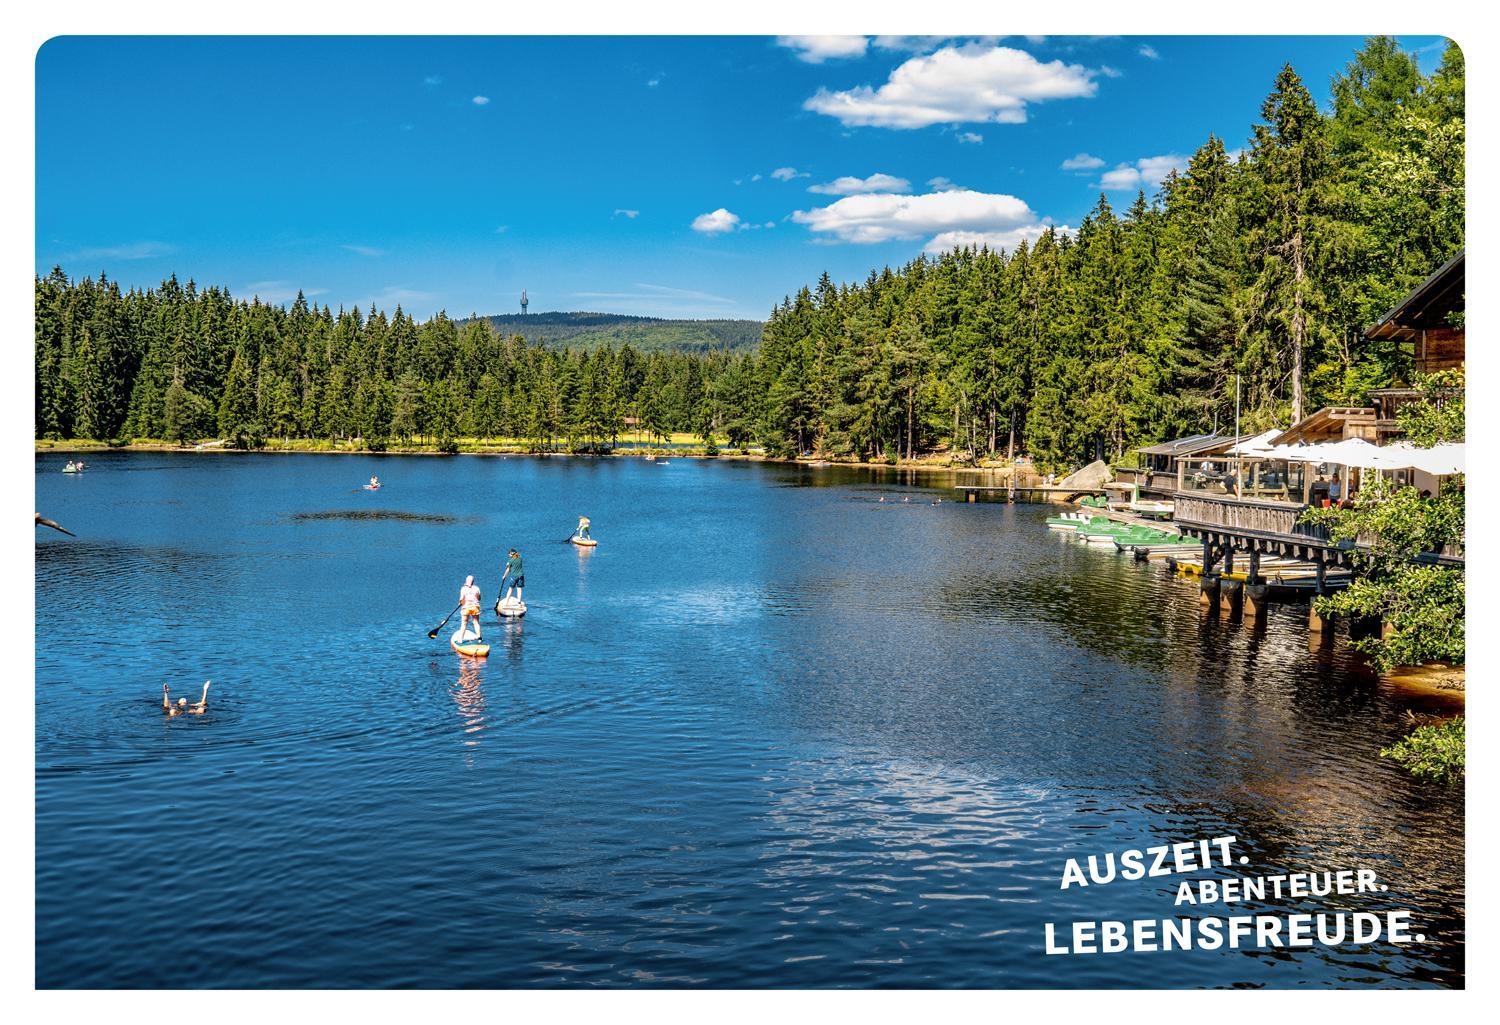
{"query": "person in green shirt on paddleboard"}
pixel 515 573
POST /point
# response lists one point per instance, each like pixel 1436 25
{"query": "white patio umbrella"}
pixel 1256 446
pixel 1439 460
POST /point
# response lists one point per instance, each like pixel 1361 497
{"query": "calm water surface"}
pixel 772 732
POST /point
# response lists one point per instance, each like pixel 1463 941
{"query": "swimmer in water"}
pixel 182 707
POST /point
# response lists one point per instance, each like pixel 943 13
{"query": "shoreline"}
pixel 78 446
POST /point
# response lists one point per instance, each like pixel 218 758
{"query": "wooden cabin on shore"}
pixel 1251 502
pixel 1158 465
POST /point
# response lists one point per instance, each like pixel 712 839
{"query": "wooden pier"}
pixel 1051 492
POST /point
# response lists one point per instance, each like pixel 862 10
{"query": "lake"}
pixel 784 727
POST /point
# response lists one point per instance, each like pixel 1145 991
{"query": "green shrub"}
pixel 1432 752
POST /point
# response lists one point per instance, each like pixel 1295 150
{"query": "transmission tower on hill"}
pixel 523 302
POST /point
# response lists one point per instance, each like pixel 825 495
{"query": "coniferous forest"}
pixel 1262 263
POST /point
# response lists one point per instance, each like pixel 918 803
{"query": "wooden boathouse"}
pixel 1233 521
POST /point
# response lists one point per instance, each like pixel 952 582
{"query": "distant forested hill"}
pixel 644 334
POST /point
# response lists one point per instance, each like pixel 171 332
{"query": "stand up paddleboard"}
pixel 584 542
pixel 511 607
pixel 372 487
pixel 467 646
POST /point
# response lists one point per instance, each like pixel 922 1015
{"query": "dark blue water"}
pixel 772 732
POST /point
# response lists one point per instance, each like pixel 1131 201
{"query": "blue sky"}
pixel 665 176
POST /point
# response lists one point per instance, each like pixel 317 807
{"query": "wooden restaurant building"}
pixel 1248 497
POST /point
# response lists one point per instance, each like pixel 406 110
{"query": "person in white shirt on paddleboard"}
pixel 468 600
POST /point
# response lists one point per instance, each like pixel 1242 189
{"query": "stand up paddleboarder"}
pixel 468 600
pixel 515 573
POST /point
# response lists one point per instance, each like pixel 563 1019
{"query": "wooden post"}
pixel 1255 587
pixel 1231 597
pixel 1255 600
pixel 1208 591
pixel 1316 623
pixel 1228 558
pixel 973 496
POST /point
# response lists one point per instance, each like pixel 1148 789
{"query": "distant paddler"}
pixel 512 582
pixel 468 603
pixel 581 535
pixel 374 484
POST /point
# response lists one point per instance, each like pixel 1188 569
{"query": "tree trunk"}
pixel 1299 324
pixel 1010 448
pixel 908 421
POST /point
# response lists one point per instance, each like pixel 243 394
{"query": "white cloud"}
pixel 941 184
pixel 716 223
pixel 655 80
pixel 849 185
pixel 911 44
pixel 755 177
pixel 1007 240
pixel 1147 172
pixel 363 250
pixel 884 217
pixel 628 214
pixel 1149 52
pixel 432 80
pixel 786 174
pixel 125 251
pixel 971 83
pixel 817 49
pixel 1082 162
pixel 971 137
pixel 480 101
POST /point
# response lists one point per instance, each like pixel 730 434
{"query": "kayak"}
pixel 584 542
pixel 510 608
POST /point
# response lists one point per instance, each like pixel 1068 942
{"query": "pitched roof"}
pixel 1192 445
pixel 1427 306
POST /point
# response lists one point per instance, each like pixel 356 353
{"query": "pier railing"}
pixel 1263 520
pixel 1246 515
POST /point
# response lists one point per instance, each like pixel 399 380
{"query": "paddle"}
pixel 434 631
